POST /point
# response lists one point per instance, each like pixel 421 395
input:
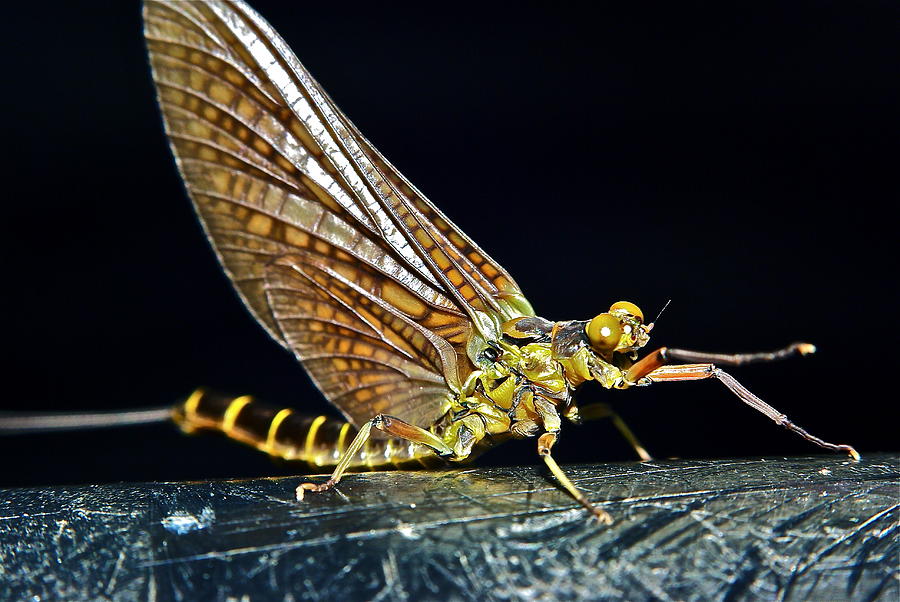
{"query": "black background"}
pixel 735 159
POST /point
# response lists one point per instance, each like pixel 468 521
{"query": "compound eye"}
pixel 629 307
pixel 604 332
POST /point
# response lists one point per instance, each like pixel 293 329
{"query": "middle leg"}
pixel 545 444
pixel 599 411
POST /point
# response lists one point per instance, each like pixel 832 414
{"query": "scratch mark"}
pixel 743 579
pixel 393 585
pixel 111 584
pixel 62 525
pixel 29 515
pixel 181 522
pixel 862 556
pixel 802 569
pixel 798 518
pixel 721 540
pixel 151 587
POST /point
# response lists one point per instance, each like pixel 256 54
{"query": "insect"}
pixel 424 343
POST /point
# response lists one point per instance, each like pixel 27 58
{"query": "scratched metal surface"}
pixel 794 529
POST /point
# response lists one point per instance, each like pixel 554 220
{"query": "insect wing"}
pixel 352 269
pixel 479 280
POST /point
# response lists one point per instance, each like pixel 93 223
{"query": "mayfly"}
pixel 424 343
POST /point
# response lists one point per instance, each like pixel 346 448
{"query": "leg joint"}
pixel 545 443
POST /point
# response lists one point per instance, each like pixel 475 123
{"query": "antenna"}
pixel 651 324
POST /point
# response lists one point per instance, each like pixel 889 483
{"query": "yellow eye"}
pixel 629 307
pixel 604 332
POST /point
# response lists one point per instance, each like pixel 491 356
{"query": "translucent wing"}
pixel 342 261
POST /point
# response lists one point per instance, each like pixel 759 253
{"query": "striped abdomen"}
pixel 317 440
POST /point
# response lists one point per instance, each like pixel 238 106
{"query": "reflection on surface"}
pixel 819 527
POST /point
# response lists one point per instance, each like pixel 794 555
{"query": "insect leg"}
pixel 599 411
pixel 736 359
pixel 391 426
pixel 655 370
pixel 545 443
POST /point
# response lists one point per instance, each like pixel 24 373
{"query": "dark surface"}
pixel 788 529
pixel 744 155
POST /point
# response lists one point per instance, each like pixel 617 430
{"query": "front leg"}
pixel 654 369
pixel 665 355
pixel 738 359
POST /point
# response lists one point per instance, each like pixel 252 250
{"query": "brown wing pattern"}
pixel 463 269
pixel 365 354
pixel 487 274
pixel 332 250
